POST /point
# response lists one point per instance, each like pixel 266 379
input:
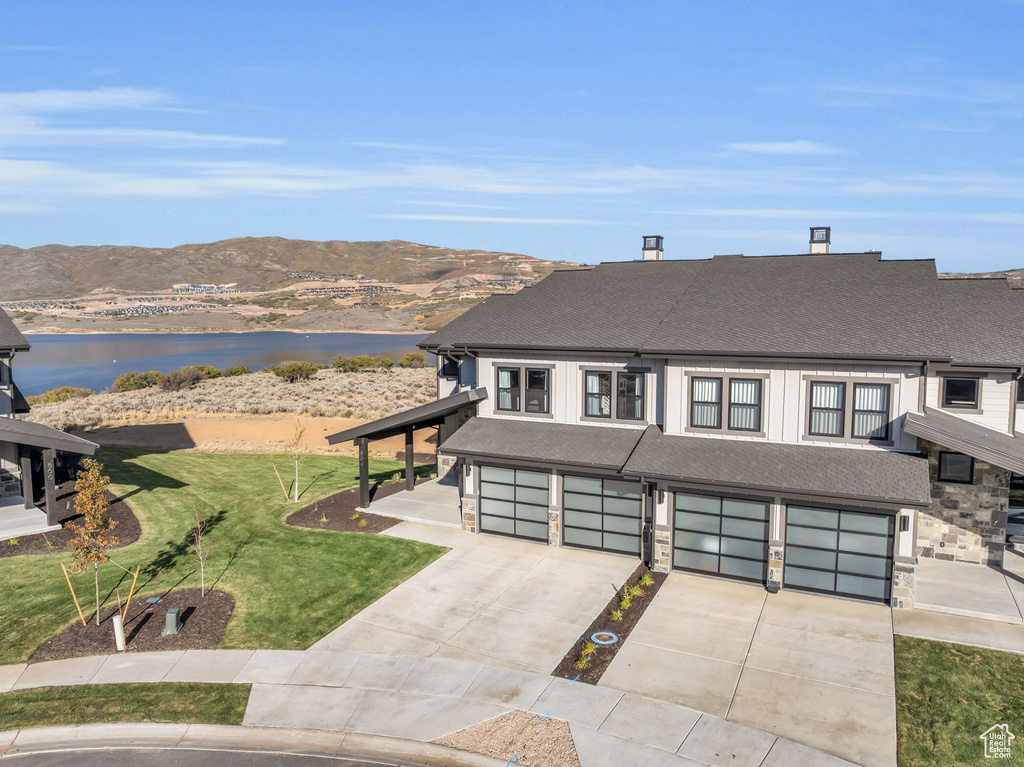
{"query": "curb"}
pixel 215 737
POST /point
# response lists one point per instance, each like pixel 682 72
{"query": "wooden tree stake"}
pixel 72 589
pixel 130 592
pixel 283 490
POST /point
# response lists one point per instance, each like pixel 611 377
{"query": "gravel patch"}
pixel 539 742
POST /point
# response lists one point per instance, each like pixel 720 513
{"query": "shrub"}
pixel 178 380
pixel 344 362
pixel 581 663
pixel 362 362
pixel 615 615
pixel 296 371
pixel 646 579
pixel 207 371
pixel 413 360
pixel 60 394
pixel 236 370
pixel 132 381
pixel 625 602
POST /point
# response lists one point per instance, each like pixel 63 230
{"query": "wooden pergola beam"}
pixel 364 472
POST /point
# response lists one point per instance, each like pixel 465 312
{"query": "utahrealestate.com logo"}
pixel 997 741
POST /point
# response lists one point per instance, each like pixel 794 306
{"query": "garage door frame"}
pixel 765 541
pixel 843 513
pixel 481 498
pixel 566 510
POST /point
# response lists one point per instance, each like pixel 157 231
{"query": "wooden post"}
pixel 410 474
pixel 26 478
pixel 364 473
pixel 49 480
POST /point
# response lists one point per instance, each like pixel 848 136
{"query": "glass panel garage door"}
pixel 727 536
pixel 839 552
pixel 604 514
pixel 514 502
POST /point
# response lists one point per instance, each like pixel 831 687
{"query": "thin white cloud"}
pixel 490 219
pixel 37 102
pixel 446 204
pixel 993 217
pixel 25 120
pixel 942 185
pixel 401 147
pixel 798 147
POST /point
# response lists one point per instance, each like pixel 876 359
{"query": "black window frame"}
pixel 518 389
pixel 587 395
pixel 758 406
pixel 946 403
pixel 943 478
pixel 1020 391
pixel 886 414
pixel 620 398
pixel 526 390
pixel 841 410
pixel 694 401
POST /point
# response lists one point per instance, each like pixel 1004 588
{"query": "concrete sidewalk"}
pixel 420 699
pixel 959 629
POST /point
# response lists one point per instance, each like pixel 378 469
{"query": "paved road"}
pixel 178 758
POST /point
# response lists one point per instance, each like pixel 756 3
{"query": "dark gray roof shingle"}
pixel 422 415
pixel 834 305
pixel 1003 450
pixel 37 435
pixel 567 444
pixel 829 472
pixel 10 336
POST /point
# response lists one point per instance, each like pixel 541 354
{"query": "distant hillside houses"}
pixel 145 310
pixel 20 306
pixel 193 287
pixel 322 277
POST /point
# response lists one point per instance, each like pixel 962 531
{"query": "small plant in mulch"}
pixel 587 661
pixel 396 477
pixel 341 512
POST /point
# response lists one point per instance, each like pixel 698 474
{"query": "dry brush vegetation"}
pixel 366 394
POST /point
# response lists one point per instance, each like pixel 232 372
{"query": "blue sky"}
pixel 561 130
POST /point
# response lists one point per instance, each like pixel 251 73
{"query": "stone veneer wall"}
pixel 965 523
pixel 776 555
pixel 904 581
pixel 662 549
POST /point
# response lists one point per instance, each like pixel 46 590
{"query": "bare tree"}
pixel 201 548
pixel 297 451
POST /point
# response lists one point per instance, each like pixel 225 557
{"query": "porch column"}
pixel 410 476
pixel 364 473
pixel 49 478
pixel 26 477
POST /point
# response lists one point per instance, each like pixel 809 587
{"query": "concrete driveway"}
pixel 814 669
pixel 494 600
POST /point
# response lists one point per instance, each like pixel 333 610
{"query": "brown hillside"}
pixel 257 263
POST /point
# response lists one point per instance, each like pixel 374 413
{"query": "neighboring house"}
pixel 814 421
pixel 22 444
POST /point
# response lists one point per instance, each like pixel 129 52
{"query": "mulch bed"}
pixel 127 530
pixel 602 659
pixel 339 509
pixel 203 622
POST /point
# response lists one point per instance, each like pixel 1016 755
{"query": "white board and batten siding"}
pixel 784 396
pixel 567 384
pixel 997 398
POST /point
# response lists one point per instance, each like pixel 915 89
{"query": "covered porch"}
pixel 446 414
pixel 20 443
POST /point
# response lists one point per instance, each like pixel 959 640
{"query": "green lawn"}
pixel 947 695
pixel 185 703
pixel 291 585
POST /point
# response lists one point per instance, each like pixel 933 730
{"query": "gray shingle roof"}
pixel 829 472
pixel 37 435
pixel 820 306
pixel 429 414
pixel 946 430
pixel 600 447
pixel 10 336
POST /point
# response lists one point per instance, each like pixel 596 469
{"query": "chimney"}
pixel 653 249
pixel 821 239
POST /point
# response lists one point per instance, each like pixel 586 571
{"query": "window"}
pixel 1020 391
pixel 449 367
pixel 597 394
pixel 745 404
pixel 956 467
pixel 871 411
pixel 508 389
pixel 828 402
pixel 960 392
pixel 537 390
pixel 706 403
pixel 630 400
pixel 1015 524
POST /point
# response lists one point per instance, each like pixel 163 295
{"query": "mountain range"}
pixel 253 263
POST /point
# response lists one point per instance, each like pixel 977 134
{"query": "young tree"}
pixel 93 536
pixel 297 451
pixel 201 548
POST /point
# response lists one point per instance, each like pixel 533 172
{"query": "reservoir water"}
pixel 94 361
